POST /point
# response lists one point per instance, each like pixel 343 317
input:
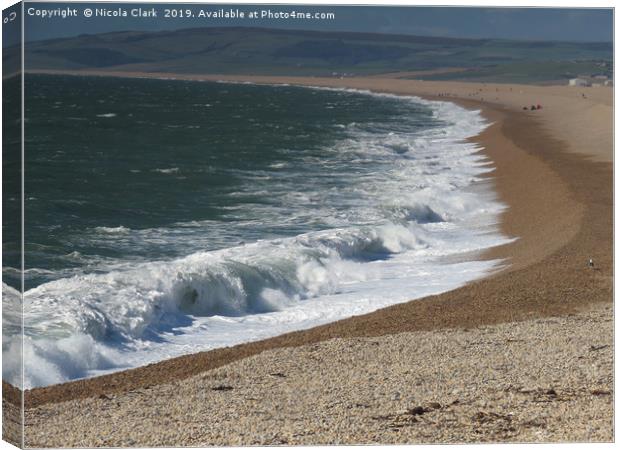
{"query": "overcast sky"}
pixel 509 23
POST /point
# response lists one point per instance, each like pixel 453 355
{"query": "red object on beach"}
pixel 538 107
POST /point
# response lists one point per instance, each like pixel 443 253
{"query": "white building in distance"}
pixel 578 82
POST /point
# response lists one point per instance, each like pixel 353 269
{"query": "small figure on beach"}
pixel 591 263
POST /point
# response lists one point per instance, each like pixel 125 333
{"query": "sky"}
pixel 507 23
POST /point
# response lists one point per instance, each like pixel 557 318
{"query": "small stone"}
pixel 480 416
pixel 600 392
pixel 222 388
pixel 416 411
pixel 594 348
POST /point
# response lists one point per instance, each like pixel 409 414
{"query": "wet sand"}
pixel 556 179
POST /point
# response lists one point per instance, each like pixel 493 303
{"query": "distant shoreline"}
pixel 549 190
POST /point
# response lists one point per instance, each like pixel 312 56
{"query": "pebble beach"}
pixel 535 381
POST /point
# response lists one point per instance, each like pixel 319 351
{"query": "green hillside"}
pixel 290 52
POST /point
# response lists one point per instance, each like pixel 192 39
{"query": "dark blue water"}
pixel 201 165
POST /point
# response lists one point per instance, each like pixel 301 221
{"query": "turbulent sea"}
pixel 166 217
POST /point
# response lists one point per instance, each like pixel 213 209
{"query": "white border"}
pixel 487 3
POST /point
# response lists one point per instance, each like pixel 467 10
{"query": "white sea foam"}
pixel 168 170
pixel 107 115
pixel 278 165
pixel 119 229
pixel 11 335
pixel 389 247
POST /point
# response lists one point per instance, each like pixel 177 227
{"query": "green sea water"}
pixel 185 166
